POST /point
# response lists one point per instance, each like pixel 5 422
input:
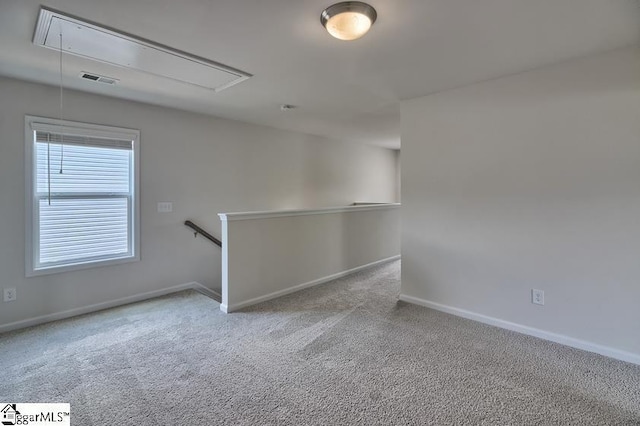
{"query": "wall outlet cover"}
pixel 10 294
pixel 537 296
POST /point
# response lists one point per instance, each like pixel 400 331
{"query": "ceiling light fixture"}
pixel 348 20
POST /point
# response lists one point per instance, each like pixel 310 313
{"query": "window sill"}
pixel 79 266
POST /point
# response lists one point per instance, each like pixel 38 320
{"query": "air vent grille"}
pixel 98 78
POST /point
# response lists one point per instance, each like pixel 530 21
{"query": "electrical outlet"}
pixel 537 297
pixel 165 207
pixel 9 294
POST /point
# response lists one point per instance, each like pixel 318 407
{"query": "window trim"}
pixel 31 222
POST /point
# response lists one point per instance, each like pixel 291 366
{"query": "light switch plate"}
pixel 165 207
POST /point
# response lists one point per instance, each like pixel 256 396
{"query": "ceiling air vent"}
pixel 57 31
pixel 98 78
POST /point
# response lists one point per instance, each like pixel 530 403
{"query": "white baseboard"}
pixel 227 309
pixel 106 305
pixel 535 332
pixel 207 291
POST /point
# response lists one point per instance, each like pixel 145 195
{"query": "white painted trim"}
pixel 224 265
pixel 231 308
pixel 105 305
pixel 530 331
pixel 288 213
pixel 80 266
pixel 207 291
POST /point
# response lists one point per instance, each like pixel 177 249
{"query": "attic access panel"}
pixel 101 44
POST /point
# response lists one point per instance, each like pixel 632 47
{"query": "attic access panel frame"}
pixel 96 42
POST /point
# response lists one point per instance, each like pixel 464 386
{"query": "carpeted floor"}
pixel 342 353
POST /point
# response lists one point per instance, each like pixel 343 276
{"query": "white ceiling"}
pixel 344 90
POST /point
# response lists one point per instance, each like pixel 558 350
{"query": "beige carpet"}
pixel 339 354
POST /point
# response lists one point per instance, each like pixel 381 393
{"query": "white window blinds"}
pixel 83 196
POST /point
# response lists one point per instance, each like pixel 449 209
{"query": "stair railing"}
pixel 197 230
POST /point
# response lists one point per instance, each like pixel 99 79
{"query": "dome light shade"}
pixel 348 20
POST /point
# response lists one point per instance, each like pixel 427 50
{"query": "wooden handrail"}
pixel 202 232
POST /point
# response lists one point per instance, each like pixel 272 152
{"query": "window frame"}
pixel 32 220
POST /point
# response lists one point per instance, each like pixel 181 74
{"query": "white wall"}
pixel 530 181
pixel 202 164
pixel 274 253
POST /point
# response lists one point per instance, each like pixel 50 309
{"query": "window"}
pixel 82 195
